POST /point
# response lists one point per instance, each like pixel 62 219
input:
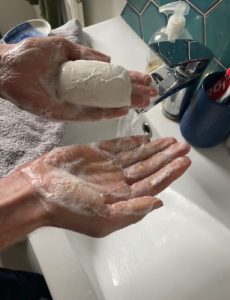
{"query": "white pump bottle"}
pixel 175 29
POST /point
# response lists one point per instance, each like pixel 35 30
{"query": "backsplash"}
pixel 207 22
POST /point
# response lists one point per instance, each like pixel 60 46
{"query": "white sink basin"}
pixel 180 251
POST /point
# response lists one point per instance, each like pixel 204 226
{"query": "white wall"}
pixel 13 12
pixel 99 10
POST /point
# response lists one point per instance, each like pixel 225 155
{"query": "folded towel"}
pixel 24 136
pixel 72 30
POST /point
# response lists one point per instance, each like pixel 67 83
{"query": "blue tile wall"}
pixel 207 22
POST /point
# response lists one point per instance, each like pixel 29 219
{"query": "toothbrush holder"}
pixel 206 123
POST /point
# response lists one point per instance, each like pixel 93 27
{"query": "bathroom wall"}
pixel 208 22
pixel 99 10
pixel 13 12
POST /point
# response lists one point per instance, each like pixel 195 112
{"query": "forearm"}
pixel 20 209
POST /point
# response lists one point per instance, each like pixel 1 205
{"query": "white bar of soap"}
pixel 94 83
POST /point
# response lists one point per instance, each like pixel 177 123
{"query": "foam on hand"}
pixel 94 83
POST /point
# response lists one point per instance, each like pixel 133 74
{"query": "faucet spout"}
pixel 185 62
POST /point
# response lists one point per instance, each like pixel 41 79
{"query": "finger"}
pixel 125 213
pixel 78 154
pixel 70 112
pixel 75 158
pixel 123 144
pixel 81 52
pixel 142 90
pixel 96 113
pixel 140 101
pixel 140 78
pixel 154 163
pixel 157 182
pixel 143 151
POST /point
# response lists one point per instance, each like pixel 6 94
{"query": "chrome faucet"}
pixel 184 62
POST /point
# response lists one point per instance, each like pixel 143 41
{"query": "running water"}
pixel 128 125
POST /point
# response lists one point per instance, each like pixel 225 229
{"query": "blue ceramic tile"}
pixel 218 32
pixel 214 67
pixel 203 5
pixel 138 4
pixel 179 51
pixel 163 2
pixel 152 21
pixel 195 25
pixel 217 25
pixel 132 18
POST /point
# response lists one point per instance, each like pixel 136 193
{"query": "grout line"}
pixel 219 63
pixel 196 8
pixel 157 5
pixel 189 49
pixel 213 7
pixel 142 29
pixel 143 9
pixel 133 8
pixel 205 31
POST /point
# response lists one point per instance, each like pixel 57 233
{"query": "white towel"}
pixel 24 136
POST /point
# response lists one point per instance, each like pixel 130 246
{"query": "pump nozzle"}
pixel 176 22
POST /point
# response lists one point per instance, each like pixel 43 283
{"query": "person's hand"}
pixel 98 188
pixel 28 73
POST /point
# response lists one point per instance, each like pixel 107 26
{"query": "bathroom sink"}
pixel 180 251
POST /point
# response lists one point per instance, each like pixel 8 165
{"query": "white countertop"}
pixel 211 168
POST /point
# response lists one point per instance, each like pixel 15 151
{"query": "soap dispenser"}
pixel 175 29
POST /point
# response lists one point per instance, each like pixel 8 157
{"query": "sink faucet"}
pixel 184 62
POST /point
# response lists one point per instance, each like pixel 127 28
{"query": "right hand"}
pixel 28 72
pixel 98 188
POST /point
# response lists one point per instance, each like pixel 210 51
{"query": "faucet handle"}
pixel 185 62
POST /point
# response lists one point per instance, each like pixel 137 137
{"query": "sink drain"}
pixel 147 129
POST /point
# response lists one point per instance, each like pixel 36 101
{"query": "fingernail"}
pixel 148 80
pixel 157 204
pixel 108 59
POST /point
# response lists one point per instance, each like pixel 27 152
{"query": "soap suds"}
pixel 87 184
pixel 68 191
pixel 94 83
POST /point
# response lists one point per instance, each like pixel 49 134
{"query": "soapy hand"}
pixel 28 75
pixel 98 188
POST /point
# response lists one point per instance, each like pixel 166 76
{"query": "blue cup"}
pixel 206 123
pixel 30 28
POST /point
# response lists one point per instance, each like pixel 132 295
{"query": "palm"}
pixel 98 188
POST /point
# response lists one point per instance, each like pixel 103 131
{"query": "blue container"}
pixel 206 123
pixel 31 28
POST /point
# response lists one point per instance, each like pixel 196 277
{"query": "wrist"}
pixel 21 210
pixel 4 48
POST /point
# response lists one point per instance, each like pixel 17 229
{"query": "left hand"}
pixel 98 188
pixel 28 71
